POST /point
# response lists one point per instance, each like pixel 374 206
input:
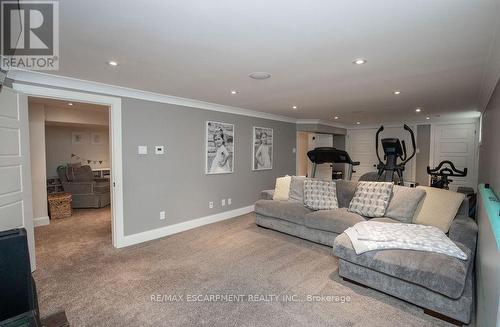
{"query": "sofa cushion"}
pixel 345 192
pixel 297 189
pixel 336 220
pixel 371 198
pixel 282 188
pixel 286 210
pixel 438 272
pixel 82 174
pixel 438 208
pixel 320 195
pixel 403 203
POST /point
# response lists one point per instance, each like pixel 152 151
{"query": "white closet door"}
pixel 457 143
pixel 15 173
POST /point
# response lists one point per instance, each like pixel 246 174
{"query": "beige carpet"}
pixel 79 271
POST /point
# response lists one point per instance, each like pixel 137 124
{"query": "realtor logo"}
pixel 30 35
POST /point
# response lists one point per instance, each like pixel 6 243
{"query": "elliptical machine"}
pixel 439 175
pixel 394 149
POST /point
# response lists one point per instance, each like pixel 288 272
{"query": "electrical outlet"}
pixel 211 205
pixel 223 202
pixel 229 201
pixel 162 215
pixel 294 150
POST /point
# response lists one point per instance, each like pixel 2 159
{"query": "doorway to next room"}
pixel 71 168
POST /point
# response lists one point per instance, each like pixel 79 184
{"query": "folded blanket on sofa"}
pixel 371 235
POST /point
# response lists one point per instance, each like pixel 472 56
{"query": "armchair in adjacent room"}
pixel 86 191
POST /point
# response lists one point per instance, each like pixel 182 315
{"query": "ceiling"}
pixel 434 51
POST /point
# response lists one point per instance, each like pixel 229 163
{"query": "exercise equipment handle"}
pixel 452 171
pixel 376 143
pixel 413 143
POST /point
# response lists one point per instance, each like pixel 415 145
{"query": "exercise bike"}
pixel 331 155
pixel 394 149
pixel 440 175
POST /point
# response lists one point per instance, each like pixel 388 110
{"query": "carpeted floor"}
pixel 271 274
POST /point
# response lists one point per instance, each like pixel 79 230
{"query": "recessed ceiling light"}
pixel 427 118
pixel 397 92
pixel 336 117
pixel 359 61
pixel 260 75
pixel 112 63
pixel 294 107
pixel 357 123
pixel 418 109
pixel 70 103
pixel 234 92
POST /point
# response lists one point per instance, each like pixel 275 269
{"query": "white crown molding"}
pixel 44 79
pixel 181 227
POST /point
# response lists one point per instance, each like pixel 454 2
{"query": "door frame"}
pixel 115 131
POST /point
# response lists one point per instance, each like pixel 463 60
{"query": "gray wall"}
pixel 59 147
pixel 489 151
pixel 488 258
pixel 422 157
pixel 176 182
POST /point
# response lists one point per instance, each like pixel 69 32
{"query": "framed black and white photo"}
pixel 219 148
pixel 262 149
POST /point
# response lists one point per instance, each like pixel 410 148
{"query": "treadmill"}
pixel 331 155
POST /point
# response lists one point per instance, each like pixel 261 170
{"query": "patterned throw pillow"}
pixel 320 195
pixel 371 199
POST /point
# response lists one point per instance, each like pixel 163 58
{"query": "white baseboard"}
pixel 181 227
pixel 41 221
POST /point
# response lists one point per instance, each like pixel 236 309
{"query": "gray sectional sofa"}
pixel 440 284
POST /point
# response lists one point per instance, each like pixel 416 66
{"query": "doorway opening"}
pixel 70 158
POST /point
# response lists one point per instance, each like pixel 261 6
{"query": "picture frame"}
pixel 78 138
pixel 262 153
pixel 96 138
pixel 219 148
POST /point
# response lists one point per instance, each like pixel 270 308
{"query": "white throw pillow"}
pixel 438 208
pixel 371 198
pixel 282 188
pixel 320 195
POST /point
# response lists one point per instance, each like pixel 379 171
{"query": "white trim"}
pixel 116 143
pixel 184 226
pixel 41 221
pixel 321 122
pixel 119 91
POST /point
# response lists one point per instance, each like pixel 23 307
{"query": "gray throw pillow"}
pixel 371 199
pixel 320 195
pixel 404 203
pixel 297 189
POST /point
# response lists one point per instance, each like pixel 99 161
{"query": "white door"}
pixel 457 143
pixel 323 171
pixel 15 173
pixel 361 147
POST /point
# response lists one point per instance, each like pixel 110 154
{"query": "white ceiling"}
pixel 434 51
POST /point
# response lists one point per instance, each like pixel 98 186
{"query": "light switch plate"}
pixel 159 149
pixel 142 149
